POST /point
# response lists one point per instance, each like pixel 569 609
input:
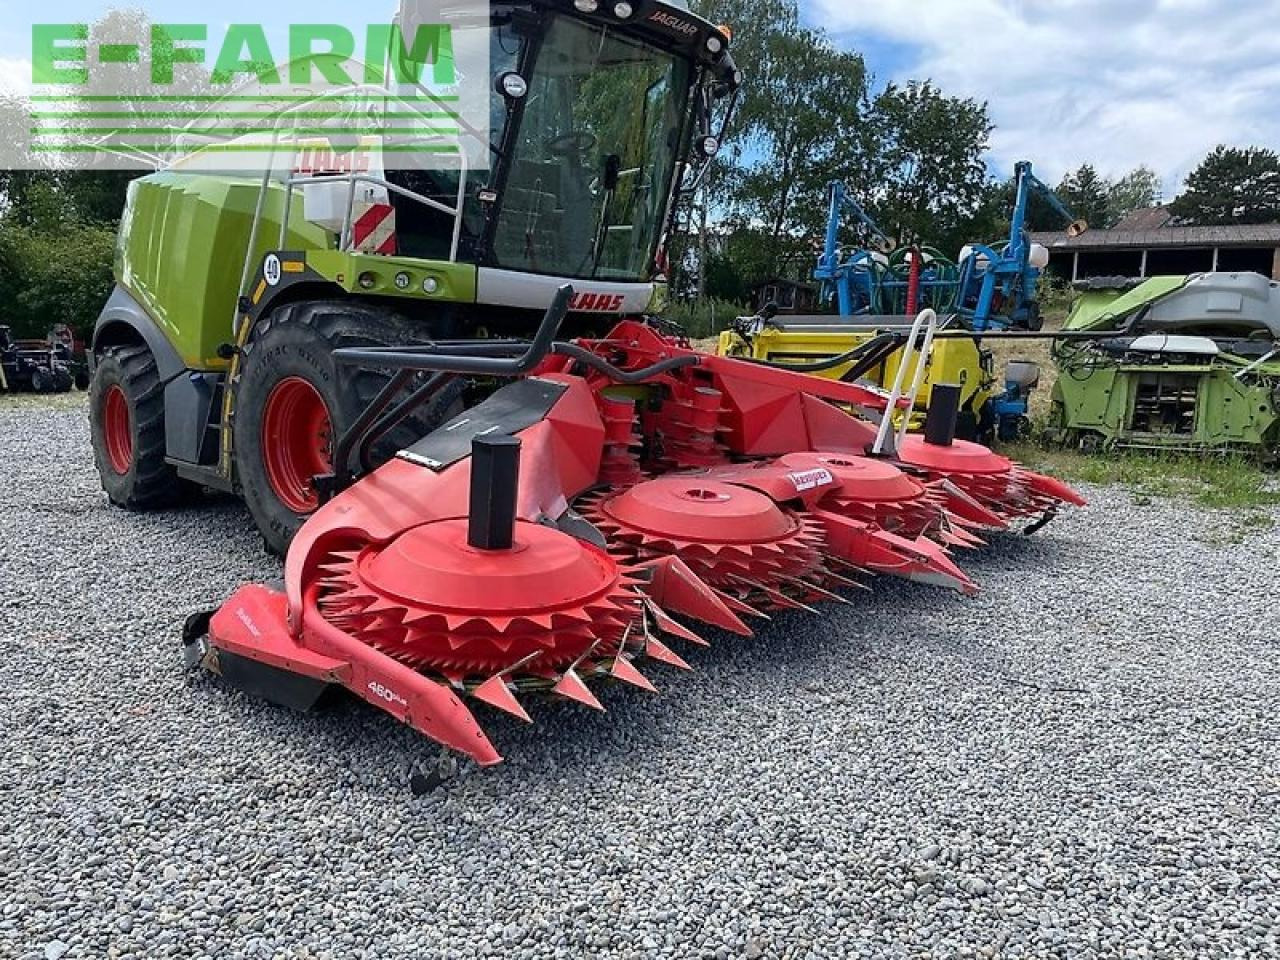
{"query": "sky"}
pixel 1116 83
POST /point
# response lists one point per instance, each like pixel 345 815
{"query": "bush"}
pixel 706 318
pixel 47 278
pixel 1057 296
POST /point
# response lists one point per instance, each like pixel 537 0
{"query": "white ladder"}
pixel 887 440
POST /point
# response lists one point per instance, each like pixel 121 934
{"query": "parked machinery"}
pixel 52 365
pixel 882 280
pixel 1192 364
pixel 878 290
pixel 488 483
pixel 999 286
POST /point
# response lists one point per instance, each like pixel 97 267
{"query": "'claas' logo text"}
pixel 597 303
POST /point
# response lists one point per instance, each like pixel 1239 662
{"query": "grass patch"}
pixel 1217 483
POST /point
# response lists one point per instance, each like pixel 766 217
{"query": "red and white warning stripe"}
pixel 374 230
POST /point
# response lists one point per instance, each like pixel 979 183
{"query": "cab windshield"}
pixel 591 165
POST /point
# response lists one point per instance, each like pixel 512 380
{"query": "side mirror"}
pixel 612 172
pixel 730 78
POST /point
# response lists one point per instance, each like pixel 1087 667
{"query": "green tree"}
pixel 57 226
pixel 920 167
pixel 816 92
pixel 802 103
pixel 52 277
pixel 1086 192
pixel 1232 185
pixel 1136 190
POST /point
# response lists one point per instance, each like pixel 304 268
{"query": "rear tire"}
pixel 126 422
pixel 293 403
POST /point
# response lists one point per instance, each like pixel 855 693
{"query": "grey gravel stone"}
pixel 1081 762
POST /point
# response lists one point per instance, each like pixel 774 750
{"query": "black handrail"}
pixel 468 361
pixel 448 360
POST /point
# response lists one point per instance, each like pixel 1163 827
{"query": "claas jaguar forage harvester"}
pixel 491 469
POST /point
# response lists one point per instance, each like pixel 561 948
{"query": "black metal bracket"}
pixel 943 419
pixel 448 360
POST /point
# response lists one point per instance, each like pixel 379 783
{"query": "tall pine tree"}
pixel 1232 185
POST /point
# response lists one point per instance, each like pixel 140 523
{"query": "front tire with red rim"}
pixel 292 403
pixel 126 423
pixel 297 443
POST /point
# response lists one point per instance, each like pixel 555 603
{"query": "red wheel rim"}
pixel 297 437
pixel 117 430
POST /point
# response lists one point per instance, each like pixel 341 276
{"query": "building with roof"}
pixel 1147 243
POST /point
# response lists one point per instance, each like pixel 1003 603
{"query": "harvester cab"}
pixel 601 113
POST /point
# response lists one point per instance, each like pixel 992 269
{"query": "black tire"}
pixel 297 341
pixel 149 482
pixel 41 380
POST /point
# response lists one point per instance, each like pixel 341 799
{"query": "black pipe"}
pixel 495 483
pixel 944 415
pixel 468 361
pixel 871 347
pixel 891 345
pixel 1085 335
pixel 347 442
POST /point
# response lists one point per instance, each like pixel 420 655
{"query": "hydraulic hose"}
pixel 830 363
pixel 600 365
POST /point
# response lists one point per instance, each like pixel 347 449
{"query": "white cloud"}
pixel 15 75
pixel 1115 83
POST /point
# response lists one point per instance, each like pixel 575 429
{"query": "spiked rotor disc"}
pixel 960 457
pixel 877 492
pixel 728 535
pixel 431 600
pixel 1001 486
pixel 861 478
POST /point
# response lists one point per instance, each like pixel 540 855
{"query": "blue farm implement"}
pixel 999 286
pixel 878 290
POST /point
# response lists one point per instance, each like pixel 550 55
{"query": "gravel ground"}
pixel 1082 762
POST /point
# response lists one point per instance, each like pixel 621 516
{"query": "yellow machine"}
pixel 860 349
